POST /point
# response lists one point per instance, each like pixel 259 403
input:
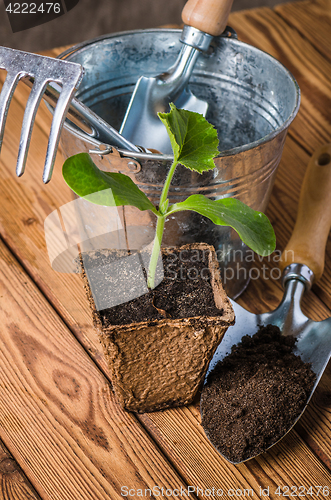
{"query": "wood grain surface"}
pixel 312 20
pixel 56 407
pixel 58 416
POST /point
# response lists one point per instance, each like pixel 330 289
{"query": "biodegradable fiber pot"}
pixel 157 364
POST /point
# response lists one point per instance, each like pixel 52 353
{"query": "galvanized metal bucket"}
pixel 252 101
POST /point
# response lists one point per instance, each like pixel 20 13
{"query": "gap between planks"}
pixel 14 484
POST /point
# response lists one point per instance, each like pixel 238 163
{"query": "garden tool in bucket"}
pixel 141 125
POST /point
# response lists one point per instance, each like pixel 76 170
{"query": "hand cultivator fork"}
pixel 37 71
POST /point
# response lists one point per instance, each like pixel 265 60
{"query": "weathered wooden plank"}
pixel 14 484
pixel 312 19
pixel 57 411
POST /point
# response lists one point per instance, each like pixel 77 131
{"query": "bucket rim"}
pixel 229 152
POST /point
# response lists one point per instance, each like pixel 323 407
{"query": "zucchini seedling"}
pixel 194 143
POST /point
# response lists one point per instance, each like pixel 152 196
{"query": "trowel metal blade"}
pixel 313 343
pixel 142 126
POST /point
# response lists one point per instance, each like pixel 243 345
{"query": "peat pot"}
pixel 252 101
pixel 159 355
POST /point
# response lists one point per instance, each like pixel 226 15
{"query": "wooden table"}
pixel 63 435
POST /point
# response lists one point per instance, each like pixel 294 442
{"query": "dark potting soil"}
pixel 255 394
pixel 184 292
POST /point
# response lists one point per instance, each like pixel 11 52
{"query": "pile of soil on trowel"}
pixel 255 394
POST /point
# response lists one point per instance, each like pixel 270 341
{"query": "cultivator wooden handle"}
pixel 308 240
pixel 210 16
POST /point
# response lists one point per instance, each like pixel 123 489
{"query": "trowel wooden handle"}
pixel 311 230
pixel 210 16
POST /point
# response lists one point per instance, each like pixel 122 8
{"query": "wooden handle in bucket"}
pixel 210 16
pixel 311 230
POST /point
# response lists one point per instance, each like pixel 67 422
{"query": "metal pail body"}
pixel 252 100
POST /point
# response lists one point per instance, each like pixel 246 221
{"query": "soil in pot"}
pixel 159 345
pixel 255 394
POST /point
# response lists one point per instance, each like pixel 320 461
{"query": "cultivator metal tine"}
pixel 60 112
pixel 40 70
pixel 31 108
pixel 6 95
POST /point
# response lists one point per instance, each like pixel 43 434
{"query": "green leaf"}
pixel 254 228
pixel 102 188
pixel 194 141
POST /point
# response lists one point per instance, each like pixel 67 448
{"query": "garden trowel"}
pixel 203 19
pixel 302 263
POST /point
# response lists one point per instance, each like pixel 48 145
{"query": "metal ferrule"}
pixel 196 38
pixel 298 272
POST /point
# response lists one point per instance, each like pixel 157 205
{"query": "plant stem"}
pixel 155 251
pixel 159 228
pixel 165 190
